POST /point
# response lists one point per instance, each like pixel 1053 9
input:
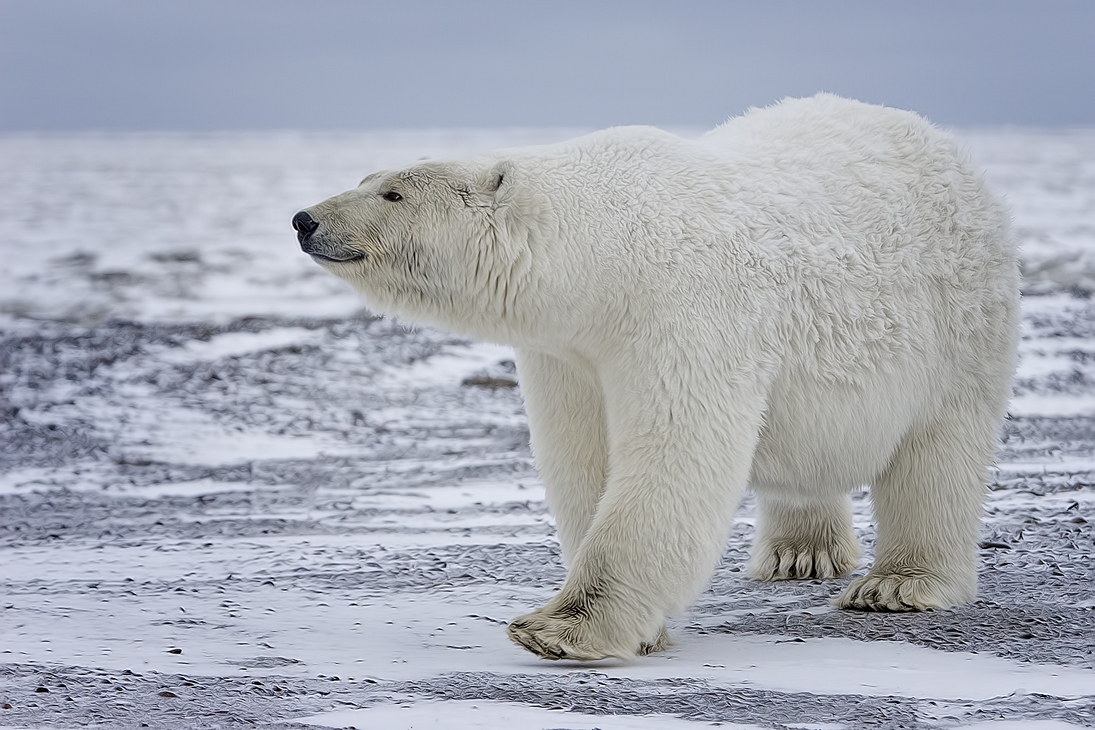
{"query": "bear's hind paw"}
pixel 789 563
pixel 900 592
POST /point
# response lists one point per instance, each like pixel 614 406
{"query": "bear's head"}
pixel 445 243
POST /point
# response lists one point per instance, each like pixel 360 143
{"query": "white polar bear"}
pixel 812 297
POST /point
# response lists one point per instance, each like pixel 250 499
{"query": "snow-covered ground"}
pixel 229 497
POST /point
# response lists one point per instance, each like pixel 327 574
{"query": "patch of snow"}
pixel 415 636
pixel 1023 725
pixel 188 436
pixel 488 715
pixel 445 369
pixel 235 344
pixel 51 479
pixel 452 496
pixel 1044 404
pixel 1058 464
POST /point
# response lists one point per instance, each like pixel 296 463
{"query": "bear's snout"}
pixel 305 225
pixel 323 247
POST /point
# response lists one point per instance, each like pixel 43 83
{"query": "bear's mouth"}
pixel 333 260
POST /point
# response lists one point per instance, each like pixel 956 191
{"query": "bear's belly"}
pixel 821 439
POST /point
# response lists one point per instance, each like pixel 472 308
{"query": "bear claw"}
pixel 795 564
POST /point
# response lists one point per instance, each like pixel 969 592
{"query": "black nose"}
pixel 305 225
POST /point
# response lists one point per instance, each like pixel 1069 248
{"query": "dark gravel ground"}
pixel 87 697
pixel 68 396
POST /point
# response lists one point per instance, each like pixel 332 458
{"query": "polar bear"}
pixel 810 298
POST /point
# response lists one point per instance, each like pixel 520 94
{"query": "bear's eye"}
pixel 392 196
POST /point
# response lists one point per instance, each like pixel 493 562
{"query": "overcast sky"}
pixel 356 64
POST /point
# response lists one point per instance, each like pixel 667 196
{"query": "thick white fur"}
pixel 812 297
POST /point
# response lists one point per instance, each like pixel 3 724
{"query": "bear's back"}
pixel 859 236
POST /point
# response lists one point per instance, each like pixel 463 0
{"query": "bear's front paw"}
pixel 900 592
pixel 554 637
pixel 800 562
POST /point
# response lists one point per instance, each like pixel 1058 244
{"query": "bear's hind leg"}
pixel 928 507
pixel 802 540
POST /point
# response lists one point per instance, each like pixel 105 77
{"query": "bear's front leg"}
pixel 677 470
pixel 566 415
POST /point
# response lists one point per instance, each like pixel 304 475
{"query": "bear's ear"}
pixel 487 186
pixel 499 180
pixel 496 178
pixel 370 176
